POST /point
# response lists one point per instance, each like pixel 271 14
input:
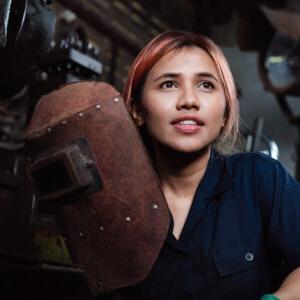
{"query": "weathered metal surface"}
pixel 66 102
pixel 115 233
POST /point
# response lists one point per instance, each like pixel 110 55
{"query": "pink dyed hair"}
pixel 168 41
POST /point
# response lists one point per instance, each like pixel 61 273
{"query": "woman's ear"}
pixel 224 122
pixel 137 115
pixel 225 117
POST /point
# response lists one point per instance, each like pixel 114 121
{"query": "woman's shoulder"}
pixel 260 170
pixel 249 156
pixel 254 162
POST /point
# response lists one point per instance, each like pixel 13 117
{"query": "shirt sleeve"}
pixel 279 195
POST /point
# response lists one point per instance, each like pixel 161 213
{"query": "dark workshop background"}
pixel 121 28
pixel 112 32
pixel 47 43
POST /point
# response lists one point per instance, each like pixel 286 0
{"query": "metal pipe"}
pixel 258 128
pixel 4 14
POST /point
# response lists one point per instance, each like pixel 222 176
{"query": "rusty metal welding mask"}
pixel 87 162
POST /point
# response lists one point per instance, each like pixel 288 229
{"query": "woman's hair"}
pixel 168 41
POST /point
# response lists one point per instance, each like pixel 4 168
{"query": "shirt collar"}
pixel 217 178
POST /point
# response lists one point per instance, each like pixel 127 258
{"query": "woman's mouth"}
pixel 187 125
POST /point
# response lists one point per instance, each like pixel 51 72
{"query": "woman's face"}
pixel 183 102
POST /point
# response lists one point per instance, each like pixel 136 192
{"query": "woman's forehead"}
pixel 184 60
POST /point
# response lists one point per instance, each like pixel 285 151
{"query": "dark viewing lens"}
pixel 52 178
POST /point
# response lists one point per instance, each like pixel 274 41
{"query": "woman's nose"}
pixel 188 99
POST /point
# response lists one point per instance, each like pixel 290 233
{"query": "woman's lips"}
pixel 187 124
pixel 187 128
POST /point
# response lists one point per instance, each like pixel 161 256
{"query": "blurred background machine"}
pixel 35 58
pixel 45 44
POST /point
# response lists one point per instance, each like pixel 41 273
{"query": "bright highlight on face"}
pixel 183 102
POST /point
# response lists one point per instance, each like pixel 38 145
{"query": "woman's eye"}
pixel 208 85
pixel 168 84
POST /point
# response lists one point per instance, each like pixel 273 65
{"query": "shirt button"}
pixel 249 256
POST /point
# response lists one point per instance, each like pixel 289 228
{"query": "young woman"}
pixel 235 229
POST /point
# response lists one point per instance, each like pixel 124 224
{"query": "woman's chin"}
pixel 184 149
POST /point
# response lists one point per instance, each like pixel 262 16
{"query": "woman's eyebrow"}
pixel 167 75
pixel 207 75
pixel 176 75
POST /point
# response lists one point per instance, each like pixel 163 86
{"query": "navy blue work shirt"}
pixel 240 240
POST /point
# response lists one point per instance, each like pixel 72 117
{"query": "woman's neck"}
pixel 180 173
